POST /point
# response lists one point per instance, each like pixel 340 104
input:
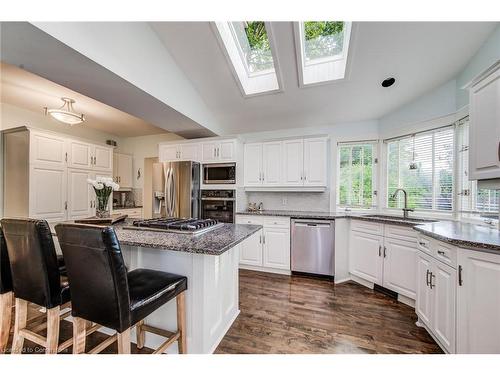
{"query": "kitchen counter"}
pixel 214 242
pixel 465 235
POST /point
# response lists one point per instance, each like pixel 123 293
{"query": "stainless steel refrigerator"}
pixel 176 189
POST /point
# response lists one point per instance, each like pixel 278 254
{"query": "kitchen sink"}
pixel 400 218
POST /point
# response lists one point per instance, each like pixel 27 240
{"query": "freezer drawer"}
pixel 313 246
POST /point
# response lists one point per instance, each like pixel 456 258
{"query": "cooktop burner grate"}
pixel 174 225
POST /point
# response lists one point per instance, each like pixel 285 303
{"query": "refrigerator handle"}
pixel 167 190
pixel 173 192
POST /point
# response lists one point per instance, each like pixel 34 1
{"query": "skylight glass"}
pixel 322 48
pixel 249 49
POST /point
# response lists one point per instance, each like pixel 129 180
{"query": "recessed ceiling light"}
pixel 66 113
pixel 388 82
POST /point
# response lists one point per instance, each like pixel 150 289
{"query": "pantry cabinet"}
pixel 269 249
pixel 80 194
pixel 484 116
pixel 47 194
pixel 288 164
pixel 384 255
pixel 478 307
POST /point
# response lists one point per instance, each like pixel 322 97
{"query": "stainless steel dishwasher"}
pixel 313 246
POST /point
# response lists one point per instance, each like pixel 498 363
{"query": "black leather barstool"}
pixel 36 278
pixel 6 295
pixel 103 292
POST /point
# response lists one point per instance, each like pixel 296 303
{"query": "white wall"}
pixel 143 147
pixel 12 117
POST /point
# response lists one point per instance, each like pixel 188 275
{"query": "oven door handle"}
pixel 218 199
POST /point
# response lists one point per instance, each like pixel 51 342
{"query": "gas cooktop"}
pixel 175 225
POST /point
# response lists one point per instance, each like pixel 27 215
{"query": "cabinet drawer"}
pixel 367 227
pixel 401 233
pixel 424 244
pixel 246 219
pixel 445 253
pixel 273 221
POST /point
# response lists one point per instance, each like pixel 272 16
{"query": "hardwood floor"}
pixel 283 314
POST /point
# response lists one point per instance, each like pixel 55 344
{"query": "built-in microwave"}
pixel 220 173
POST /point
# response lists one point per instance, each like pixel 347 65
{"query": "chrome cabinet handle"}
pixel 427 277
pixel 385 250
pixel 440 252
pixel 260 239
pixel 263 239
pixel 460 280
pixel 430 280
pixel 421 243
pixel 66 157
pixel 379 250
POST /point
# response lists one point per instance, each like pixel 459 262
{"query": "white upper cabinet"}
pixel 227 150
pixel 212 151
pixel 80 155
pixel 478 302
pixel 168 153
pixel 47 149
pixel 484 154
pixel 122 170
pixel 253 164
pixel 293 162
pixel 315 162
pixel 103 158
pixel 288 165
pixel 189 151
pixel 209 151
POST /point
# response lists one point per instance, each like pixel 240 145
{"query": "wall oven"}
pixel 220 173
pixel 218 204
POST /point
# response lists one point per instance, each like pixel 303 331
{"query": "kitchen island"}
pixel 210 263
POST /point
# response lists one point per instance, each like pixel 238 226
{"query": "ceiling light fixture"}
pixel 66 113
pixel 388 82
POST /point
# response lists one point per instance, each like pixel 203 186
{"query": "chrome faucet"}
pixel 405 209
pixel 261 206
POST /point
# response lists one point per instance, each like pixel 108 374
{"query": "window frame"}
pixel 375 173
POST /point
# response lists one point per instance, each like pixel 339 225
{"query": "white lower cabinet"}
pixel 80 194
pixel 478 302
pixel 268 249
pixel 389 262
pixel 47 193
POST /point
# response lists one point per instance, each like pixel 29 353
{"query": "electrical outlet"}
pixel 284 201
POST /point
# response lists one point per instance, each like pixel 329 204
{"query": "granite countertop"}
pixel 465 235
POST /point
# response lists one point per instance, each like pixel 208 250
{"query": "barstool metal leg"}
pixel 19 324
pixel 124 342
pixel 5 319
pixel 79 335
pixel 53 320
pixel 181 322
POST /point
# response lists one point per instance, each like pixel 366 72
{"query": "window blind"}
pixel 422 164
pixel 355 187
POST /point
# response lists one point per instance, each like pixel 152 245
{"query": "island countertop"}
pixel 214 242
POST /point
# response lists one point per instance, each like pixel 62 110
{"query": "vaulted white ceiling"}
pixel 421 56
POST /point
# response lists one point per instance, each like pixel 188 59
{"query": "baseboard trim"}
pixel 265 269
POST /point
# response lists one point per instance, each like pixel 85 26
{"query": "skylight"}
pixel 249 49
pixel 322 48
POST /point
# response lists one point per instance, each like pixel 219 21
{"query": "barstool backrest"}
pixel 33 261
pixel 5 275
pixel 97 274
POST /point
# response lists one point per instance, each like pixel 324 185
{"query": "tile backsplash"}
pixel 291 201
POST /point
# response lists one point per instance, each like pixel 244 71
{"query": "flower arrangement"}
pixel 103 187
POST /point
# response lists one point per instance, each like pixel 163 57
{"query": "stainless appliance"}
pixel 176 189
pixel 173 225
pixel 218 204
pixel 313 247
pixel 220 173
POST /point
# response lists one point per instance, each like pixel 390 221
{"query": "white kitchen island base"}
pixel 211 297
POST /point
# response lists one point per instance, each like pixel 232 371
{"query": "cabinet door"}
pixel 293 162
pixel 252 165
pixel 47 149
pixel 478 302
pixel 276 248
pixel 484 154
pixel 189 151
pixel 125 171
pixel 400 263
pixel 209 151
pixel 315 162
pixel 227 150
pixel 80 194
pixel 365 256
pixel 443 283
pixel 168 153
pixel 80 155
pixel 251 250
pixel 423 303
pixel 103 158
pixel 271 163
pixel 48 193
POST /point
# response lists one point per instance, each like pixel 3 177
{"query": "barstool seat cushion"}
pixel 150 289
